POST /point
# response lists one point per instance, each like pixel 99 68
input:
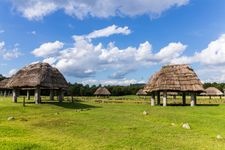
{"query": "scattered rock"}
pixel 145 113
pixel 219 137
pixel 186 126
pixel 57 113
pixel 11 118
pixel 173 124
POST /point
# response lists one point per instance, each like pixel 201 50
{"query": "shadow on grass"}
pixel 66 104
pixel 189 105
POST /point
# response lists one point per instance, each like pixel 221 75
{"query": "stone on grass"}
pixel 219 137
pixel 173 124
pixel 145 113
pixel 186 126
pixel 11 118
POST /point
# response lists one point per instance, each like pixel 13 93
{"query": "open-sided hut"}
pixel 3 89
pixel 37 77
pixel 102 91
pixel 174 78
pixel 212 91
pixel 141 92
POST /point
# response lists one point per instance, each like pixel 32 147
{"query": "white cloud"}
pixel 171 51
pixel 9 54
pixel 11 72
pixel 37 9
pixel 2 45
pixel 2 31
pixel 214 54
pixel 85 59
pixel 48 49
pixel 122 82
pixel 109 31
pixel 15 53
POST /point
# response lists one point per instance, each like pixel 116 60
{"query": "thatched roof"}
pixel 38 75
pixel 212 91
pixel 175 78
pixel 141 92
pixel 3 83
pixel 102 91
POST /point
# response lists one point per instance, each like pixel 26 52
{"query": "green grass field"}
pixel 117 123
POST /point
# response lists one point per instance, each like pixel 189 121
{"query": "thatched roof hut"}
pixel 141 92
pixel 38 76
pixel 3 83
pixel 102 91
pixel 212 91
pixel 174 78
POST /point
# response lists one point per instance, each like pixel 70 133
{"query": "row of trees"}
pixel 77 89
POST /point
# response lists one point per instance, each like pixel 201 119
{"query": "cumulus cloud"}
pixel 122 82
pixel 85 59
pixel 37 9
pixel 48 49
pixel 9 54
pixel 15 53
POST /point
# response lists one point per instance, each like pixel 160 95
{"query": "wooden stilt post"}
pixel 28 95
pixel 158 98
pixel 60 95
pixel 51 94
pixel 14 96
pixel 5 93
pixel 192 99
pixel 184 98
pixel 153 99
pixel 37 95
pixel 164 98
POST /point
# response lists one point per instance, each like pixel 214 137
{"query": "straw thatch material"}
pixel 212 91
pixel 38 75
pixel 102 91
pixel 141 92
pixel 175 78
pixel 3 84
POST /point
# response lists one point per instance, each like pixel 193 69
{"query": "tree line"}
pixel 78 89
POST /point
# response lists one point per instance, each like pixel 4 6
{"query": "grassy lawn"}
pixel 120 124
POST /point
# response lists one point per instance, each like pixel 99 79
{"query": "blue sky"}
pixel 107 42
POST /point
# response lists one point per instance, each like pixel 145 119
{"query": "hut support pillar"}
pixel 193 99
pixel 184 98
pixel 5 93
pixel 60 96
pixel 51 95
pixel 28 95
pixel 37 95
pixel 152 99
pixel 14 96
pixel 164 98
pixel 1 93
pixel 158 98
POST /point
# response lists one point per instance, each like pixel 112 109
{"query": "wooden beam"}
pixel 153 99
pixel 28 95
pixel 60 95
pixel 51 94
pixel 192 100
pixel 158 97
pixel 37 95
pixel 14 96
pixel 184 98
pixel 164 98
